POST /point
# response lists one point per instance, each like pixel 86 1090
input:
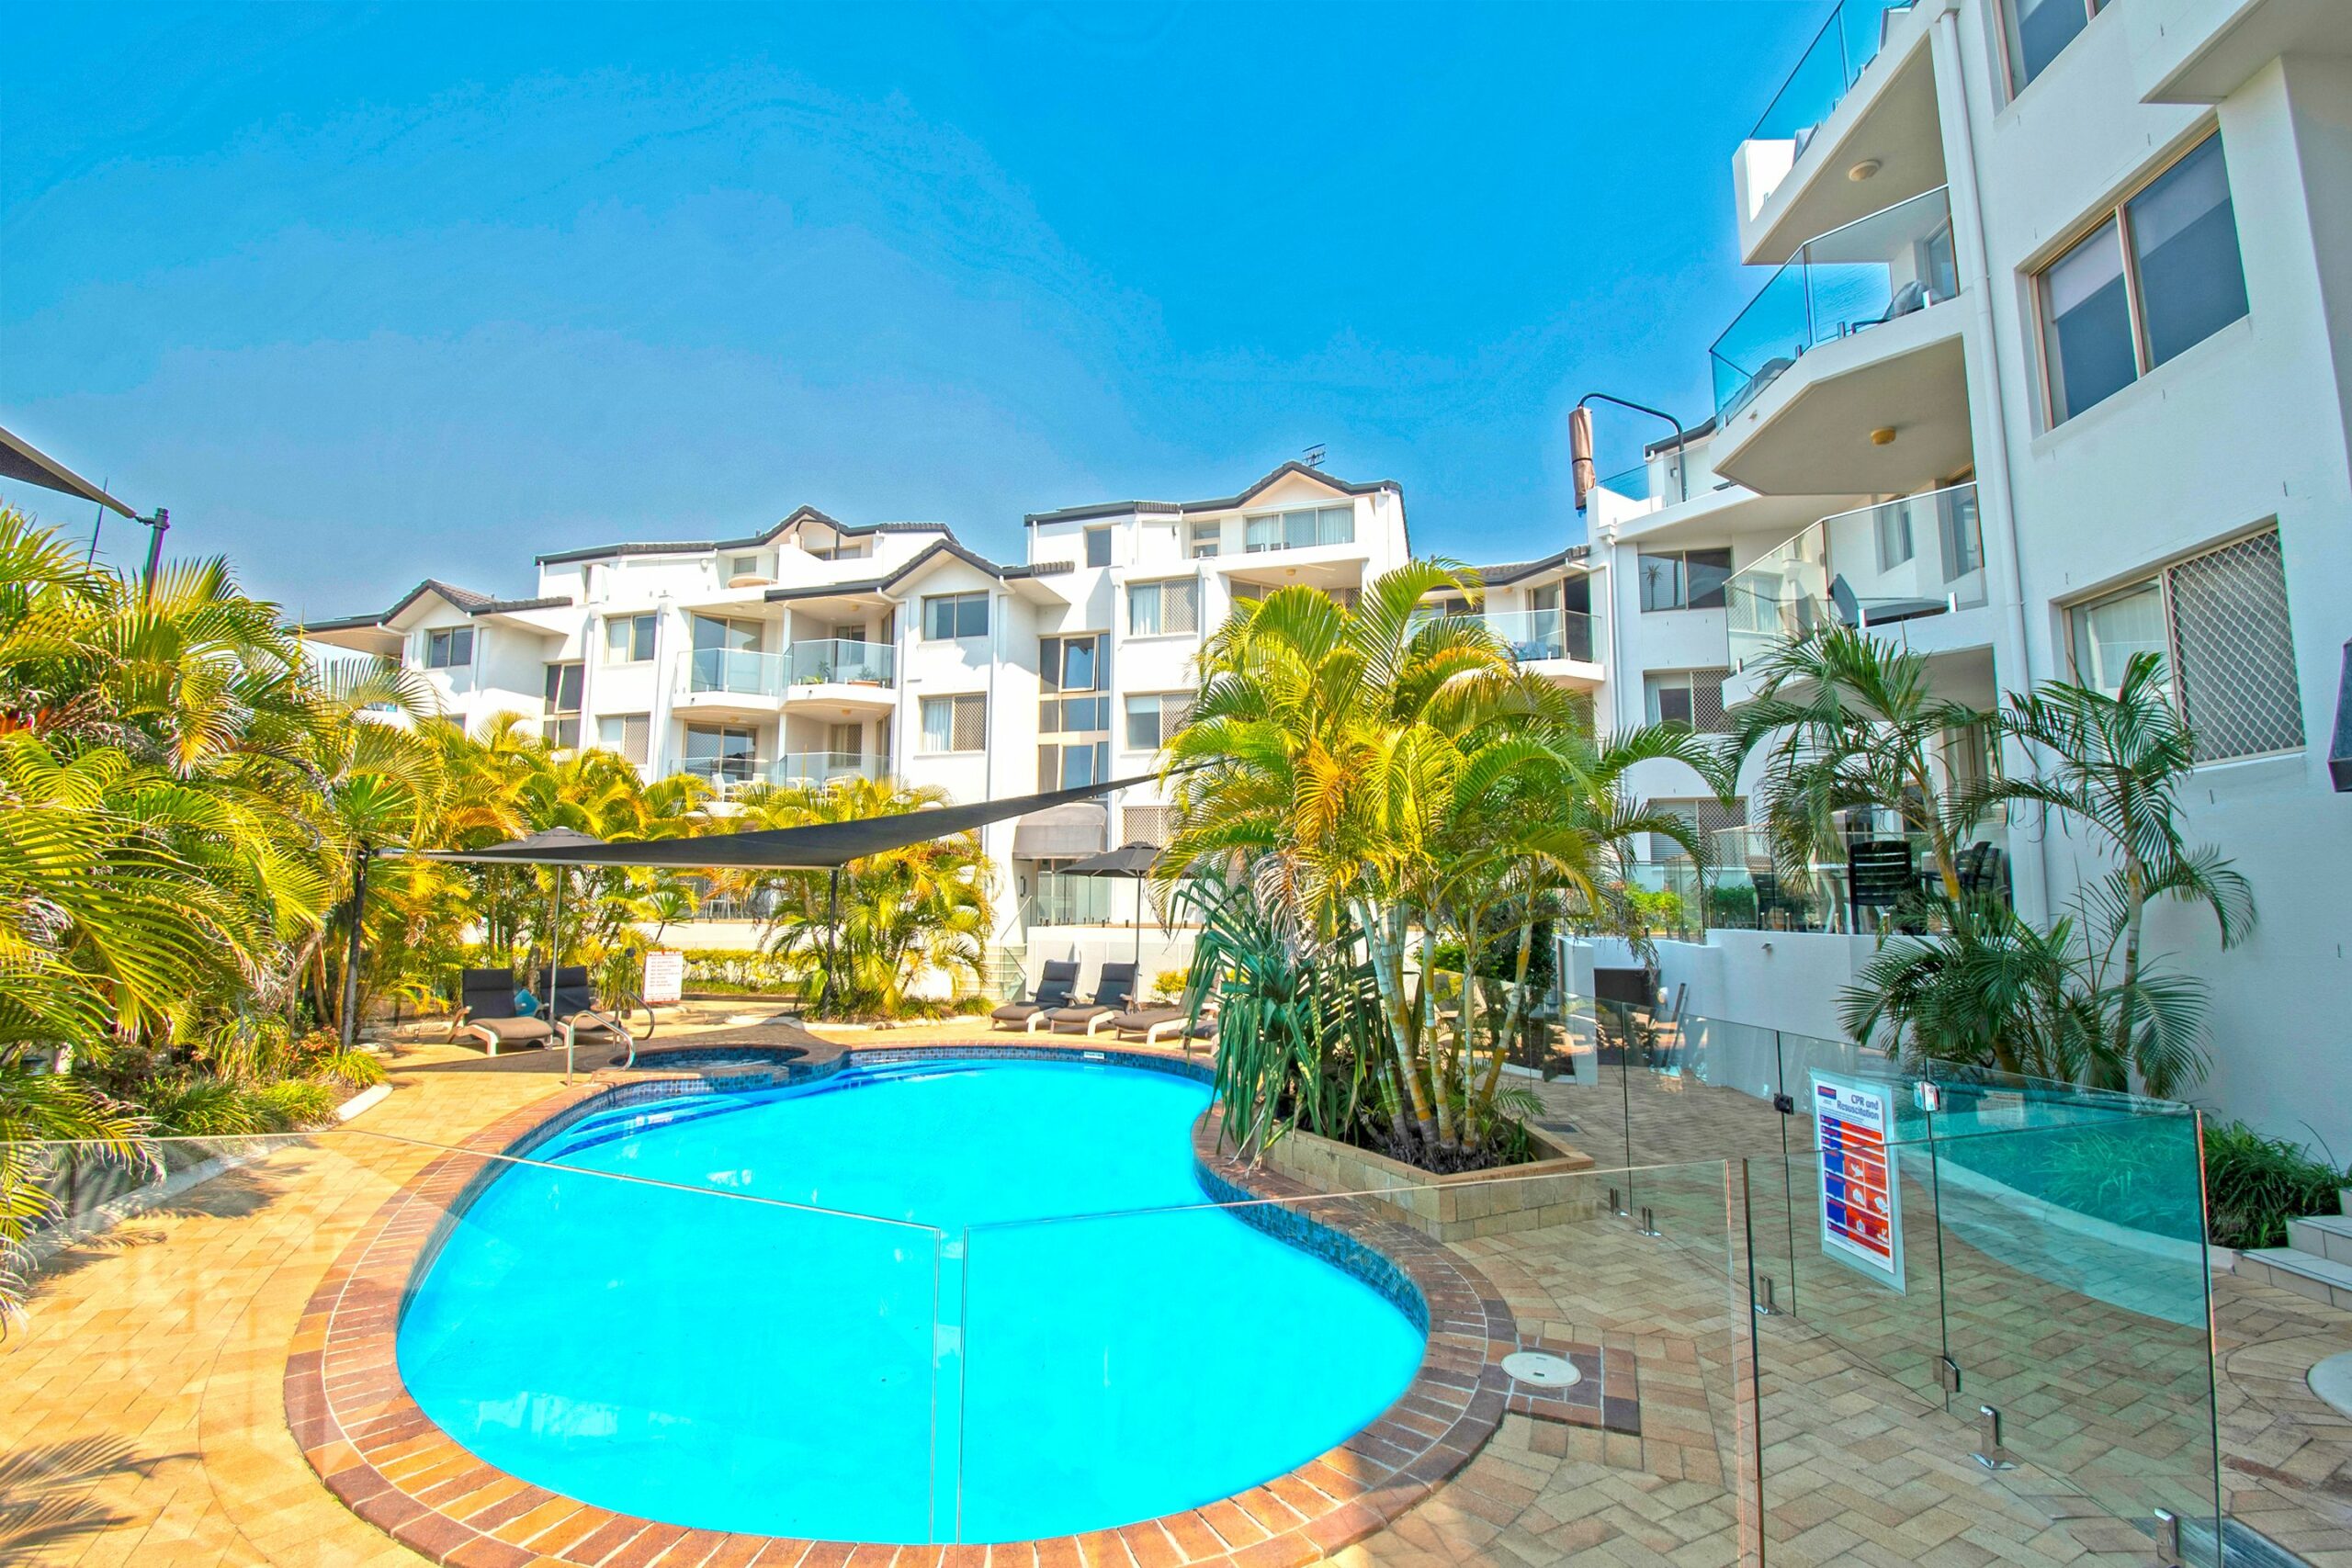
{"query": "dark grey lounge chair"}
pixel 1886 612
pixel 486 1013
pixel 1056 981
pixel 1114 992
pixel 1155 1025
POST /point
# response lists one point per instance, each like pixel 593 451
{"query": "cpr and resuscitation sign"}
pixel 665 976
pixel 1861 1199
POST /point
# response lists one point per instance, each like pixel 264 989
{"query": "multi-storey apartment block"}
pixel 818 649
pixel 2054 365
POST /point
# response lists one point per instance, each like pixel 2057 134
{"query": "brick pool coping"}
pixel 385 1459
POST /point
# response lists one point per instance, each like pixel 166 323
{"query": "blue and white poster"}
pixel 1861 1199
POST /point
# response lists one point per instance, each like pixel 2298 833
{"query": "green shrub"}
pixel 2254 1185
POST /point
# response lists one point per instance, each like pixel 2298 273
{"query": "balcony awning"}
pixel 819 847
pixel 1062 831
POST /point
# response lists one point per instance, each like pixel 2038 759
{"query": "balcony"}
pixel 727 775
pixel 1898 562
pixel 858 675
pixel 1844 373
pixel 735 672
pixel 1854 127
pixel 816 769
pixel 1542 635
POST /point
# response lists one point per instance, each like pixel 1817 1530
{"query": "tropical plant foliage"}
pixel 1371 782
pixel 187 796
pixel 896 923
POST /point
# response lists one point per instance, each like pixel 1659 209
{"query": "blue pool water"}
pixel 1023 1356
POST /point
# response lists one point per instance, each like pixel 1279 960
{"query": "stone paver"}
pixel 141 1411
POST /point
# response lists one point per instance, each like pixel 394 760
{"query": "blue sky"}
pixel 366 294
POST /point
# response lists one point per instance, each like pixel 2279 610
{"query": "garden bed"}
pixel 1545 1190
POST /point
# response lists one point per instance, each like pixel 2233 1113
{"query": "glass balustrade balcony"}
pixel 1874 270
pixel 1878 566
pixel 839 662
pixel 725 774
pixel 1826 72
pixel 1544 633
pixel 743 672
pixel 819 767
pixel 1633 483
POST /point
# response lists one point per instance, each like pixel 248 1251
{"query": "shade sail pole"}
pixel 555 934
pixel 351 952
pixel 833 937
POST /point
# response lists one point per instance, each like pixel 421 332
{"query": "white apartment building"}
pixel 818 649
pixel 2054 365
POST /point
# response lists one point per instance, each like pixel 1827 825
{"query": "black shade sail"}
pixel 19 459
pixel 819 847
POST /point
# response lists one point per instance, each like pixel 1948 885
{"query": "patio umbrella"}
pixel 1133 861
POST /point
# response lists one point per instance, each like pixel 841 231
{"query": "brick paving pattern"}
pixel 141 1405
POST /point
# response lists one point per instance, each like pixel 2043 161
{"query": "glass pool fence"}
pixel 1882 1265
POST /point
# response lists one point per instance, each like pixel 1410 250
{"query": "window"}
pixel 1070 663
pixel 629 640
pixel 449 648
pixel 565 685
pixel 1691 698
pixel 631 734
pixel 845 740
pixel 1297 530
pixel 722 754
pixel 956 724
pixel 1684 580
pixel 1206 538
pixel 2219 620
pixel 1072 764
pixel 743 566
pixel 2106 320
pixel 1098 547
pixel 2038 29
pixel 948 616
pixel 737 636
pixel 1156 609
pixel 1153 718
pixel 1074 715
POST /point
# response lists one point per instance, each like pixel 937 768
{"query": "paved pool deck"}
pixel 142 1418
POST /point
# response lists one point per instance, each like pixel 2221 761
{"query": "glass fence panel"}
pixel 1847 42
pixel 820 660
pixel 741 671
pixel 2075 1301
pixel 444 1331
pixel 1323 1369
pixel 1871 271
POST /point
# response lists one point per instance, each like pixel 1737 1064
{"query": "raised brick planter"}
pixel 385 1459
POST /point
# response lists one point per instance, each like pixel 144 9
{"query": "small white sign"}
pixel 1861 1209
pixel 665 976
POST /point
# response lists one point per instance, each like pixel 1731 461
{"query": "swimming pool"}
pixel 980 1341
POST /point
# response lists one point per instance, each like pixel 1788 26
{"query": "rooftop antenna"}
pixel 1313 457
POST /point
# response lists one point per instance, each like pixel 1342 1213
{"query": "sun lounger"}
pixel 486 1013
pixel 1156 1026
pixel 1056 981
pixel 1114 992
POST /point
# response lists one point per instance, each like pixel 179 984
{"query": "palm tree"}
pixel 901 913
pixel 1389 774
pixel 2115 765
pixel 1847 721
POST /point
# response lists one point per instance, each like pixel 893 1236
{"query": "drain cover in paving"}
pixel 1541 1370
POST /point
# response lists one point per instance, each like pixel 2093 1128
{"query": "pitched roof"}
pixel 457 598
pixel 923 559
pixel 1514 571
pixel 766 535
pixel 1222 503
